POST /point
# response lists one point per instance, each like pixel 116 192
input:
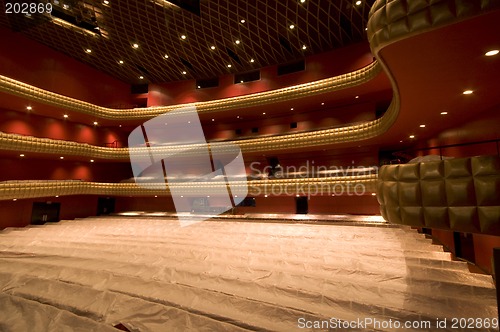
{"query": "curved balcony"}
pixel 356 184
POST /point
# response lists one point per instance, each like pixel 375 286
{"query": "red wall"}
pixel 483 249
pixel 26 168
pixel 314 161
pixel 39 126
pixel 446 238
pixel 163 204
pixel 271 204
pixel 366 204
pixel 312 120
pixel 483 246
pixel 33 63
pixel 481 129
pixel 18 213
pixel 317 67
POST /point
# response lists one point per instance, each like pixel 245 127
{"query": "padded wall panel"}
pixel 460 194
pixel 391 20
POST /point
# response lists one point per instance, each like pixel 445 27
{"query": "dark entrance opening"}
pixel 105 205
pixel 43 212
pixel 464 246
pixel 301 205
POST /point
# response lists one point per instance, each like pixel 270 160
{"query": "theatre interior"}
pixel 293 165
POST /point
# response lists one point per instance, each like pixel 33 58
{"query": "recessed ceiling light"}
pixel 29 108
pixel 61 157
pixel 291 109
pixel 357 97
pixel 141 77
pixel 422 126
pixel 358 2
pixel 14 199
pixel 467 92
pixel 366 29
pixel 242 21
pixel 237 116
pixel 304 47
pixel 120 126
pixel 21 155
pixel 199 87
pixel 241 81
pixel 91 160
pixel 183 37
pixel 95 123
pixel 297 195
pixel 106 2
pixel 208 196
pixel 212 47
pixel 57 195
pixel 264 113
pixel 213 119
pixel 265 196
pixel 135 45
pixel 184 72
pixel 156 196
pixel 292 26
pixel 444 113
pixel 120 62
pixel 88 50
pixel 65 115
pixel 229 66
pixel 166 56
pixel 237 42
pixel 412 136
pixel 252 60
pixel 322 104
pixel 401 141
pixel 491 53
pixel 374 194
pixel 302 1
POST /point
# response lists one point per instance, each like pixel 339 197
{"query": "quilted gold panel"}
pixel 460 194
pixel 391 20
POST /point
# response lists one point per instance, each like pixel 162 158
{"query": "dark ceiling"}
pixel 103 33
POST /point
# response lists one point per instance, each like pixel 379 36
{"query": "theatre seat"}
pixel 455 194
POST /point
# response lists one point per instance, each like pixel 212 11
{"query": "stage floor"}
pixel 272 217
pixel 150 274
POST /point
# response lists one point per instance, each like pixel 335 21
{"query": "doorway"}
pixel 105 205
pixel 301 205
pixel 464 246
pixel 43 212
